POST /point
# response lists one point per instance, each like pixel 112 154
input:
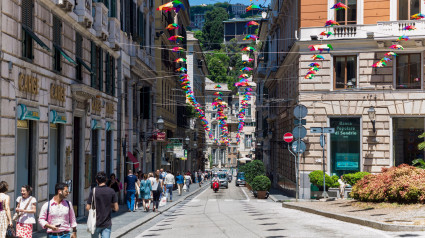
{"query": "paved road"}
pixel 234 212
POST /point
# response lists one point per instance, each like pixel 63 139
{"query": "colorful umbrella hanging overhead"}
pixel 172 26
pixel 253 7
pixel 252 23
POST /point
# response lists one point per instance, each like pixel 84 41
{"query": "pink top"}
pixel 58 214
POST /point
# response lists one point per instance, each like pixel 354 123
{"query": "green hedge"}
pixel 261 183
pixel 354 177
pixel 316 178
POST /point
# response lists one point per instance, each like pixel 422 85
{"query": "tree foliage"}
pixel 213 31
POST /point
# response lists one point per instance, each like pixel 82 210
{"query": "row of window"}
pixel 99 64
pixel 405 9
pixel 407 71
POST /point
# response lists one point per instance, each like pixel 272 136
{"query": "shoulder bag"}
pixel 91 220
pixel 17 215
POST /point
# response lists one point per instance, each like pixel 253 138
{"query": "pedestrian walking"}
pixel 199 178
pixel 114 183
pixel 105 201
pixel 146 189
pixel 57 215
pixel 156 192
pixel 169 184
pixel 342 186
pixel 5 218
pixel 26 208
pixel 130 190
pixel 180 182
pixel 187 181
pixel 138 196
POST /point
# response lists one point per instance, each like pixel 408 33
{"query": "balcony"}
pixel 83 11
pixel 100 24
pixel 66 5
pixel 384 29
pixel 114 33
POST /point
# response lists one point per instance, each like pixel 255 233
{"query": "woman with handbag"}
pixel 156 191
pixel 5 218
pixel 25 210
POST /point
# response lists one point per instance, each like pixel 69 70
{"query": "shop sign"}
pixel 110 108
pixel 28 83
pixel 95 124
pixel 109 126
pixel 160 136
pixel 28 113
pixel 347 161
pixel 57 117
pixel 96 105
pixel 57 92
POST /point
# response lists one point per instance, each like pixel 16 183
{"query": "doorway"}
pixel 26 166
pixel 55 161
pixel 76 164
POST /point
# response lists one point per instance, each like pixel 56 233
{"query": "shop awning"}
pixel 65 55
pixel 28 113
pixel 109 126
pixel 95 124
pixel 133 159
pixel 35 37
pixel 57 117
pixel 79 60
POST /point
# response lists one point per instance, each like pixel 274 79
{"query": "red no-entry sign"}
pixel 288 137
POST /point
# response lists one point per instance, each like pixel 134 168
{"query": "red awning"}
pixel 133 159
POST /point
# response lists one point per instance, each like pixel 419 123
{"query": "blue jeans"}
pixel 51 235
pixel 104 232
pixel 131 196
pixel 170 190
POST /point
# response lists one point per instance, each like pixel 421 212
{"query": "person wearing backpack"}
pixel 104 202
pixel 57 215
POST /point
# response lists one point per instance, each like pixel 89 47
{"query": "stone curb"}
pixel 126 229
pixel 355 220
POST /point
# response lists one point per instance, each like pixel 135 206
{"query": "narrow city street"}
pixel 234 212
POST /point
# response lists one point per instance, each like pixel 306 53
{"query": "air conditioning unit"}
pixel 66 5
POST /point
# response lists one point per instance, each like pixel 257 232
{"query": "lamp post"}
pixel 160 127
pixel 372 116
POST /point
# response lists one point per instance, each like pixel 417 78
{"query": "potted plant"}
pixel 316 178
pixel 261 184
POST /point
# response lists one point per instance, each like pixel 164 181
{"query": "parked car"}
pixel 223 180
pixel 240 179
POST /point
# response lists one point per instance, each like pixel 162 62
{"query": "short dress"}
pixel 3 218
pixel 145 189
pixel 24 225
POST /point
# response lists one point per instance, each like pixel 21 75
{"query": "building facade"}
pixel 238 9
pixel 236 29
pixel 376 112
pixel 59 96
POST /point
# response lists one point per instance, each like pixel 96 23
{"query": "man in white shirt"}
pixel 169 182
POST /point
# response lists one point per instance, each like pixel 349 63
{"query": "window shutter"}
pixel 127 16
pixel 93 64
pixel 113 75
pixel 27 13
pixel 133 17
pixel 100 69
pixel 113 9
pixel 108 75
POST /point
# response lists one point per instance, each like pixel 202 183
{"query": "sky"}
pixel 246 2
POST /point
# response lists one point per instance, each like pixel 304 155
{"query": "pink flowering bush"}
pixel 402 184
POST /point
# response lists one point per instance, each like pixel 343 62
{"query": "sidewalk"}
pixel 123 221
pixel 382 216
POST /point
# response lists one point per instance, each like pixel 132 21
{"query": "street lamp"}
pixel 187 140
pixel 160 123
pixel 372 116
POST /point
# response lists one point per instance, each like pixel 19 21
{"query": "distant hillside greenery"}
pixel 224 62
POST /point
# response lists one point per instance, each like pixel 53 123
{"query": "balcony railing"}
pixel 83 11
pixel 114 33
pixel 100 24
pixel 66 5
pixel 387 29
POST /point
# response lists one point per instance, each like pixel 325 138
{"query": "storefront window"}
pixel 405 140
pixel 345 145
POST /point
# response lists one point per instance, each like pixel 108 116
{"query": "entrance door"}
pixel 25 155
pixel 54 158
pixel 405 139
pixel 108 153
pixel 95 155
pixel 76 164
pixel 345 145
